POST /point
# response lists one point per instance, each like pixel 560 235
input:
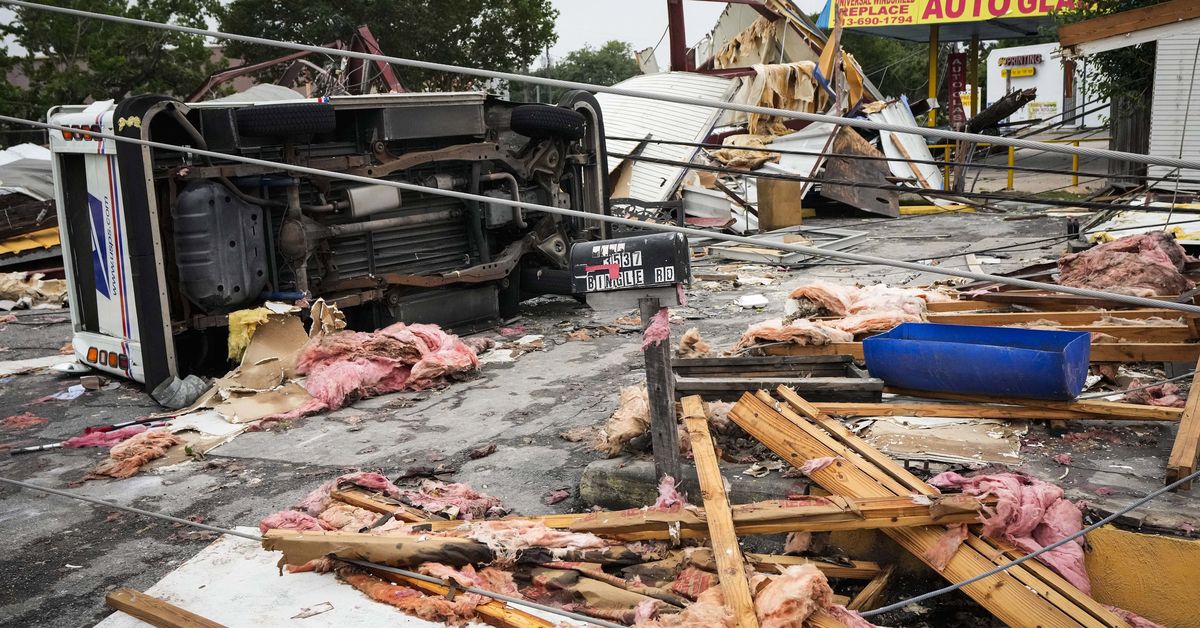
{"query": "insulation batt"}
pixel 349 364
pixel 790 598
pixel 459 500
pixel 692 345
pixel 1166 395
pixel 292 520
pixel 347 518
pixel 657 331
pixel 430 608
pixel 104 439
pixel 125 459
pixel 506 536
pixel 1030 514
pixel 631 418
pixel 669 499
pixel 318 500
pixel 801 332
pixel 1147 264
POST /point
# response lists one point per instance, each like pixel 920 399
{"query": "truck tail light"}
pixel 93 354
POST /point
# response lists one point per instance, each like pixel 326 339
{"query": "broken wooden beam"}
pixel 731 566
pixel 852 570
pixel 301 546
pixel 382 504
pixel 1093 317
pixel 1112 410
pixel 1182 461
pixel 155 611
pixel 868 598
pixel 1020 596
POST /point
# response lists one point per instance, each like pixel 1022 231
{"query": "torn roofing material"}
pixel 625 116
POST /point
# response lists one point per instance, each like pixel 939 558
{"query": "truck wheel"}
pixel 543 121
pixel 286 119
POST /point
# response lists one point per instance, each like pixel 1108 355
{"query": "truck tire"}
pixel 543 121
pixel 286 119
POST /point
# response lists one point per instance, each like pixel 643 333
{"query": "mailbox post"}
pixel 647 272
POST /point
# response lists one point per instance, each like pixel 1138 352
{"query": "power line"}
pixel 795 248
pixel 633 93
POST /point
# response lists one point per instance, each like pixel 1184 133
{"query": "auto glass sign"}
pixel 863 13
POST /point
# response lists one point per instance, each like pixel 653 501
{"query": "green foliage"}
pixel 896 67
pixel 68 60
pixel 607 65
pixel 503 35
pixel 1125 74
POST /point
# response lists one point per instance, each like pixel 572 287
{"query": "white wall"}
pixel 1175 116
pixel 1047 78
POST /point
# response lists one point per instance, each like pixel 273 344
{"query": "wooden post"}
pixel 731 565
pixel 660 384
pixel 1182 462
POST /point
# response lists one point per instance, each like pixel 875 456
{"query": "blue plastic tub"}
pixel 975 360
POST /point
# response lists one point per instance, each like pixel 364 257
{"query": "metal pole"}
pixel 1075 166
pixel 1012 159
pixel 933 66
pixel 973 74
pixel 677 35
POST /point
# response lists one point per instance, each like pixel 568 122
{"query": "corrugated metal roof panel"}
pixel 625 116
pixel 1175 118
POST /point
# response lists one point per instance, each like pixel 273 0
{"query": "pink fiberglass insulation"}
pixel 510 535
pixel 816 464
pixel 836 299
pixel 1030 514
pixel 348 364
pixel 459 501
pixel 292 520
pixel 1133 619
pixel 347 518
pixel 488 578
pixel 126 458
pixel 874 321
pixel 943 550
pixel 23 421
pixel 790 598
pixel 801 332
pixel 104 439
pixel 669 498
pixel 1165 395
pixel 658 330
pixel 318 500
pixel 708 611
pixel 1145 264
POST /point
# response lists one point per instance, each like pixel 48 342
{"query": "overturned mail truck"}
pixel 159 245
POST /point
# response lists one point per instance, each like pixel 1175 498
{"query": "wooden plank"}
pixel 1110 409
pixel 895 139
pixel 869 597
pixel 952 410
pixel 660 384
pixel 731 566
pixel 1115 352
pixel 1063 318
pixel 155 611
pixel 856 570
pixel 493 612
pixel 858 445
pixel 382 505
pixel 1182 461
pixel 958 306
pixel 1127 22
pixel 1004 595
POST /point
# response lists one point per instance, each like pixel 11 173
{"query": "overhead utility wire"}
pixel 946 194
pixel 932 162
pixel 254 537
pixel 621 91
pixel 1009 565
pixel 795 248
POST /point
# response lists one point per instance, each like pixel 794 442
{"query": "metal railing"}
pixel 947 158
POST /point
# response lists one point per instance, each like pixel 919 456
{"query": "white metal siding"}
pixel 1175 125
pixel 625 116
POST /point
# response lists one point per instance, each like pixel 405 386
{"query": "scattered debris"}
pixel 23 421
pixel 126 458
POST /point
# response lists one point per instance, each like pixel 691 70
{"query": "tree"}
pixel 503 35
pixel 897 68
pixel 1124 75
pixel 68 60
pixel 607 65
